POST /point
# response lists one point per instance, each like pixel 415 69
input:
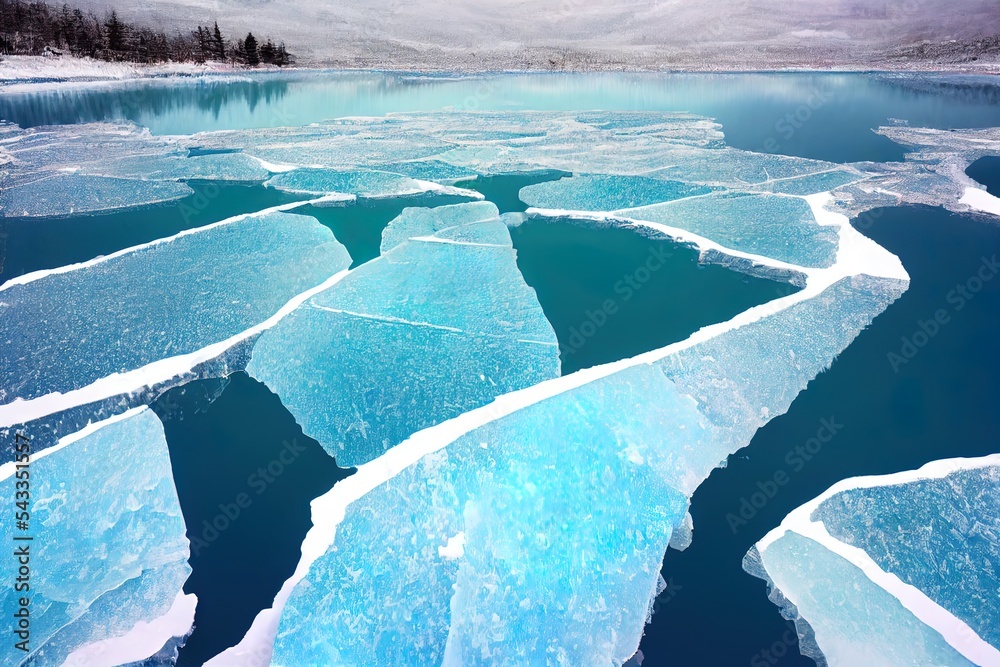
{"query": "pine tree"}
pixel 220 45
pixel 267 52
pixel 116 33
pixel 250 47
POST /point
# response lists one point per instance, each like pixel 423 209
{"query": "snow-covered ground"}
pixel 30 69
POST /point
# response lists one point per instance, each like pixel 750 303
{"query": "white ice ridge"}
pixel 262 265
pixel 108 567
pixel 143 640
pixel 778 557
pixel 858 258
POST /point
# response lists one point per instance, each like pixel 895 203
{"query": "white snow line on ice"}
pixel 142 641
pixel 955 632
pixel 38 275
pixel 386 318
pixel 702 243
pixel 981 200
pixel 933 470
pixel 435 239
pixel 8 469
pixel 20 411
pixel 328 510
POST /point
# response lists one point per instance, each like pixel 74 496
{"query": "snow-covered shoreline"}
pixel 32 70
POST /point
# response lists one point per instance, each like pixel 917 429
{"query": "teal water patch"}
pixel 612 293
pixel 504 190
pixel 358 225
pixel 33 244
pixel 986 170
pixel 245 475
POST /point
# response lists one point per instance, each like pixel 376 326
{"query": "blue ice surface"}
pixel 64 194
pixel 561 561
pixel 606 193
pixel 566 505
pixel 66 330
pixel 419 221
pixel 852 621
pixel 431 170
pixel 813 183
pixel 441 323
pixel 360 183
pixel 109 546
pixel 940 535
pixel 779 227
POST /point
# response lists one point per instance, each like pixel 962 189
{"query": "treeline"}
pixel 35 28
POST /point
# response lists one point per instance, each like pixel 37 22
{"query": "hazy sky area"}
pixel 636 31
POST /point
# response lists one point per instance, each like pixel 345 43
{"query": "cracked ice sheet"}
pixel 488 535
pixel 777 226
pixel 108 561
pixel 919 583
pixel 933 172
pixel 352 184
pixel 52 171
pixel 143 315
pixel 441 323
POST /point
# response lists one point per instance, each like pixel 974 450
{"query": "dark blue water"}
pixel 245 475
pixel 892 416
pixel 612 293
pixel 31 244
pixel 986 170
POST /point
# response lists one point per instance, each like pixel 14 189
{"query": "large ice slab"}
pixel 441 323
pixel 606 193
pixel 418 221
pixel 532 540
pixel 776 226
pixel 108 548
pixel 348 184
pixel 894 570
pixel 60 170
pixel 66 329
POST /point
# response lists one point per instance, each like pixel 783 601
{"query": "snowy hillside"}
pixel 555 33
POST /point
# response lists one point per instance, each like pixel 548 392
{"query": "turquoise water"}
pixel 611 294
pixel 819 115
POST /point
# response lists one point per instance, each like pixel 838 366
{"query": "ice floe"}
pixel 891 570
pixel 441 323
pixel 145 314
pixel 108 552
